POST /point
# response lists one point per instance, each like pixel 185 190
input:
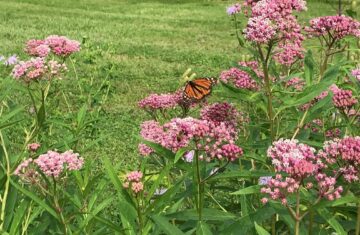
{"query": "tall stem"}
pixel 297 215
pixel 139 215
pixel 200 187
pixel 265 65
pixel 7 183
pixel 357 232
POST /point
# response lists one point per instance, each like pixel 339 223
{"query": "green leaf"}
pixel 203 229
pixel 260 230
pixel 127 211
pixel 248 190
pixel 324 213
pixel 179 154
pixel 308 94
pixel 81 115
pixel 18 217
pixel 165 226
pixel 337 202
pixel 208 214
pixel 242 174
pixel 309 68
pixel 36 199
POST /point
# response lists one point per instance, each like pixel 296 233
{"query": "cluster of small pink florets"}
pixel 59 45
pixel 298 160
pixel 221 112
pixel 296 83
pixel 346 151
pixel 133 181
pixel 342 99
pixel 52 163
pixel 240 78
pixel 160 101
pixel 203 134
pixel 337 27
pixel 39 67
pixel 274 20
pixel 356 73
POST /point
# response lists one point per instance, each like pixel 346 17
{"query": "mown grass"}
pixel 148 43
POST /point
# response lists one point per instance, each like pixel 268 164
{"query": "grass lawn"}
pixel 149 43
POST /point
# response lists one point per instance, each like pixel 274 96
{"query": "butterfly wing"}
pixel 198 88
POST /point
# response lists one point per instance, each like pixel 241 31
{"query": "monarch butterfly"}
pixel 197 89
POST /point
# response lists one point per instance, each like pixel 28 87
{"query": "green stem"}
pixel 200 187
pixel 59 210
pixel 357 232
pixel 311 220
pixel 7 183
pixel 297 211
pixel 138 209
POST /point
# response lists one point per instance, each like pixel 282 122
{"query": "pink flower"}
pixel 240 78
pixel 264 200
pixel 260 30
pixel 162 101
pixel 234 9
pixel 32 69
pixel 61 45
pixel 230 151
pixel 356 73
pixel 145 150
pixel 137 187
pixel 297 83
pixel 343 99
pixel 37 48
pixel 134 176
pixel 52 163
pixel 221 112
pixel 337 27
pixel 33 147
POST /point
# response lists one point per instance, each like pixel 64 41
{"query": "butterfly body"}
pixel 199 88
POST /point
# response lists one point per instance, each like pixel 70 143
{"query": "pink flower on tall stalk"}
pixel 240 78
pixel 342 99
pixel 133 181
pixel 202 135
pixel 160 101
pixel 337 27
pixel 273 20
pixel 346 151
pixel 61 45
pixel 33 147
pixel 221 112
pixel 37 48
pixel 234 9
pixel 52 163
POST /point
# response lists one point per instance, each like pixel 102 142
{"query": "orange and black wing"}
pixel 198 88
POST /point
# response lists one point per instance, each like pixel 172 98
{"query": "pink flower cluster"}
pixel 240 78
pixel 133 180
pixel 303 166
pixel 33 147
pixel 53 163
pixel 346 150
pixel 260 30
pixel 59 45
pixel 160 101
pixel 274 20
pixel 356 73
pixel 202 135
pixel 230 152
pixel 27 172
pixel 342 99
pixel 221 112
pixel 337 27
pixel 234 9
pixel 298 160
pixel 278 188
pixel 37 68
pixel 144 150
pixel 296 83
pixel 315 125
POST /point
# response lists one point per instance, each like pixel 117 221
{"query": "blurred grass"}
pixel 149 43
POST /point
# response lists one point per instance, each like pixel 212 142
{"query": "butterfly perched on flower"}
pixel 198 88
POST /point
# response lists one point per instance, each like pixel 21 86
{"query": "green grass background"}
pixel 150 44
